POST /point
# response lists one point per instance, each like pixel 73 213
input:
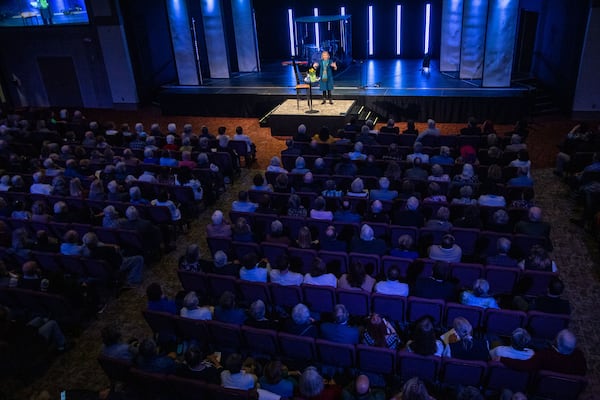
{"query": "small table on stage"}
pixel 29 16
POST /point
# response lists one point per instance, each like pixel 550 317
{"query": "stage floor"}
pixel 290 107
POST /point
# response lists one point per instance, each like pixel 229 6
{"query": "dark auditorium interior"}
pixel 310 200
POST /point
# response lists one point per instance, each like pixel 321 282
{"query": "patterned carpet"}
pixel 78 369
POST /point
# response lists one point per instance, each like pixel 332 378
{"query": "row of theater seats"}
pixel 402 310
pixel 302 351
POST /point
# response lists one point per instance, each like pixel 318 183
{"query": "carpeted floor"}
pixel 78 369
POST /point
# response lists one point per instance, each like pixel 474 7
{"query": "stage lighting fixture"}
pixel 425 64
pixel 317 35
pixel 427 27
pixel 370 30
pixel 342 10
pixel 291 30
pixel 398 27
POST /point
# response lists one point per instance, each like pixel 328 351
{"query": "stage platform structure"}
pixel 398 89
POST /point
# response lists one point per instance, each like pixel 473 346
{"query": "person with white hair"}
pixel 479 296
pixel 377 214
pixel 312 386
pixel 170 145
pixel 5 183
pixel 301 323
pixel 534 226
pixel 390 127
pixel 191 309
pixel 172 128
pixel 367 243
pixel 222 266
pixel 38 187
pixel 430 131
pixel 444 158
pixel 218 226
pixel 110 217
pixel 462 345
pixel 339 330
pixel 300 166
pixel 410 215
pixel 447 250
pixel 517 350
pixel 418 153
pixel 51 169
pixel 275 166
pixel 357 189
pixel 357 154
pixel 257 317
pixel 384 192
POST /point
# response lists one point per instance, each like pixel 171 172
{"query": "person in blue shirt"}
pixel 522 178
pixel 243 204
pixel 157 301
pixel 326 67
pixel 227 311
pixel 113 346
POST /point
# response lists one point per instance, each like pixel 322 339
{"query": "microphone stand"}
pixel 197 52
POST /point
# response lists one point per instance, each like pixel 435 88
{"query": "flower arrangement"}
pixel 312 75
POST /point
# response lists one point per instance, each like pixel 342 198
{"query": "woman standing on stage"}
pixel 325 66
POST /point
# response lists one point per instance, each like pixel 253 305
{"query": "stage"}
pixel 284 118
pixel 399 89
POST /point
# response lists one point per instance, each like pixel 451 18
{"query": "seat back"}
pixel 502 279
pixel 192 329
pixel 501 377
pixel 402 263
pixel 260 342
pixel 336 261
pixel 217 284
pixel 272 251
pixel 319 298
pixel 391 307
pixel 367 260
pixel 304 257
pixel 225 336
pixel 357 302
pixel 297 348
pixel 188 389
pixel 466 273
pixel 554 386
pixel 457 372
pixel 410 365
pixel 473 314
pixel 336 354
pixel 285 296
pixel 503 322
pixel 535 283
pixel 252 291
pixel 160 322
pixel 420 307
pixel 377 360
pixel 545 326
pixel 193 281
pixel 219 243
pixel 116 370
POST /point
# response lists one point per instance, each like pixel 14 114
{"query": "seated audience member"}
pixel 380 333
pixel 39 214
pixel 410 128
pixel 466 177
pixel 534 226
pixel 31 276
pixel 308 185
pixel 331 190
pixel 192 261
pixel 370 167
pixel 383 193
pixel 389 127
pixel 241 231
pixel 468 155
pixel 218 227
pixel 113 347
pixel 300 166
pixel 447 251
pixel 330 241
pixel 38 187
pixel 405 248
pixel 443 158
pixel 417 153
pixel 162 199
pixel 360 389
pixel 440 222
pixel 437 174
pixel 259 183
pixel 357 189
pixel 424 340
pixel 148 359
pixel 197 366
pixel 410 215
pixel 19 211
pixel 522 178
pixel 339 330
pixel 517 350
pixel 240 135
pixel 319 212
pixel 376 214
pixel 434 194
pixel 295 207
pixel 222 266
pixel 356 278
pixel 491 196
pixel 416 172
pixel 158 301
pixel 132 267
pixel 318 275
pixel 305 239
pixel 243 204
pixel 110 217
pixel 282 274
pixel 290 149
pixel 301 135
pixel 367 243
pixel 538 260
pixel 252 270
pixel 345 213
pixel 392 285
pixel 501 258
pixel 413 389
pixel 276 234
pixel 437 286
pixel 466 196
pixel 257 319
pixel 364 136
pixel 301 322
pixel 563 357
pixel 499 222
pixel 312 386
pixel 550 303
pixel 275 166
pixel 275 380
pixel 264 205
pixel 135 196
pixel 471 218
pixel 345 167
pixel 430 131
pixel 479 296
pixel 463 346
pixel 471 128
pixel 522 161
pixel 71 244
pixel 357 154
pixel 191 310
pixel 234 376
pixel 167 160
pixel 226 310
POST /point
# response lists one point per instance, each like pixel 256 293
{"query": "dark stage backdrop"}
pixel 273 37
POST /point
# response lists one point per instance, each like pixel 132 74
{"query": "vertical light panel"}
pixel 499 49
pixel 317 33
pixel 473 39
pixel 452 15
pixel 214 32
pixel 427 27
pixel 342 10
pixel 181 37
pixel 398 28
pixel 245 35
pixel 291 32
pixel 370 30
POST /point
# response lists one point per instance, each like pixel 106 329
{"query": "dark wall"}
pixel 19 55
pixel 559 41
pixel 149 39
pixel 273 40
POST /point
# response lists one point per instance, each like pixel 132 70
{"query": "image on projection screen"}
pixel 26 13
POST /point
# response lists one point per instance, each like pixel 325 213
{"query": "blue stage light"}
pixel 398 27
pixel 291 30
pixel 342 10
pixel 317 35
pixel 427 27
pixel 370 30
